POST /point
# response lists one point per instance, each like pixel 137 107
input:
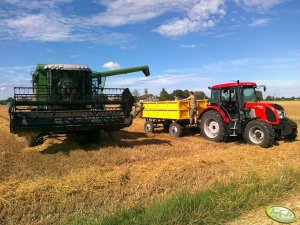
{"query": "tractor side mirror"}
pixel 265 88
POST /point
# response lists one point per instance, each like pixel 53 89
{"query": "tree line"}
pixel 5 101
pixel 180 94
pixel 175 94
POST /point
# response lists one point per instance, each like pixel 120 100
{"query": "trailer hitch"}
pixel 140 109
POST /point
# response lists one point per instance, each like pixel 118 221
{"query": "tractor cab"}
pixel 232 97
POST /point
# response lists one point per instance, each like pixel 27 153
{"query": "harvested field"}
pixel 61 179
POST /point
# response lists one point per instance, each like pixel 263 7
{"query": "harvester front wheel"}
pixel 149 127
pixel 175 130
pixel 31 141
pixel 213 127
pixel 35 140
pixel 260 133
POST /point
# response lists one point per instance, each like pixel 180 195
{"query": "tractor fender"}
pixel 249 120
pixel 218 109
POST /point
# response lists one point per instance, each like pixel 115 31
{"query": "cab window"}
pixel 215 96
pixel 249 94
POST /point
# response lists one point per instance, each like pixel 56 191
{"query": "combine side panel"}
pixel 107 108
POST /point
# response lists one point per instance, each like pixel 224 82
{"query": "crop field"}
pixel 65 182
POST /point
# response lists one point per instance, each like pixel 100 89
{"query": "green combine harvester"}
pixel 70 99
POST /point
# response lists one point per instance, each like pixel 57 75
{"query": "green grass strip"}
pixel 216 205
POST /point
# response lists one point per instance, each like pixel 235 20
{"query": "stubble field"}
pixel 62 180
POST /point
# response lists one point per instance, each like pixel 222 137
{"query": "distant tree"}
pixel 5 101
pixel 186 93
pixel 146 91
pixel 164 95
pixel 269 98
pixel 178 94
pixel 200 95
pixel 136 95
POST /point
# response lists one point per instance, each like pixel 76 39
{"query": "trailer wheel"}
pixel 166 125
pixel 175 130
pixel 149 127
pixel 213 127
pixel 260 133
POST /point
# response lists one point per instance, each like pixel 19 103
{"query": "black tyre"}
pixel 35 140
pixel 213 127
pixel 292 136
pixel 92 136
pixel 166 125
pixel 31 141
pixel 258 132
pixel 149 127
pixel 175 130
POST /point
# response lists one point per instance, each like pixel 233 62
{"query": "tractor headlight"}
pixel 281 114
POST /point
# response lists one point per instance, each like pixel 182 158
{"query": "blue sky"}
pixel 188 44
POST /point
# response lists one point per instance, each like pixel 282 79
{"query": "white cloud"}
pixel 3 88
pixel 111 65
pixel 31 4
pixel 45 20
pixel 41 27
pixel 259 22
pixel 199 17
pixel 259 4
pixel 198 14
pixel 122 12
pixel 188 46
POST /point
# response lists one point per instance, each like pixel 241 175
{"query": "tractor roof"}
pixel 233 84
pixel 63 67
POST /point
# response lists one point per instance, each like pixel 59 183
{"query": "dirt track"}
pixel 60 179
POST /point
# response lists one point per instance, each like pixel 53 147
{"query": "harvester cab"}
pixel 70 99
pixel 235 110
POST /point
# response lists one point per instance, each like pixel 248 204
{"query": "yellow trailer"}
pixel 173 115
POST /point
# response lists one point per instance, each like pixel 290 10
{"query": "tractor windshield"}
pixel 249 94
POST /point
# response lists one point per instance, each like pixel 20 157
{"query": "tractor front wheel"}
pixel 34 140
pixel 212 126
pixel 260 133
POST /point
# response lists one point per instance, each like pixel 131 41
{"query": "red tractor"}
pixel 235 110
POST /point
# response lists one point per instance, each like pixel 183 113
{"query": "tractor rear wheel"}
pixel 213 127
pixel 258 132
pixel 149 127
pixel 175 130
